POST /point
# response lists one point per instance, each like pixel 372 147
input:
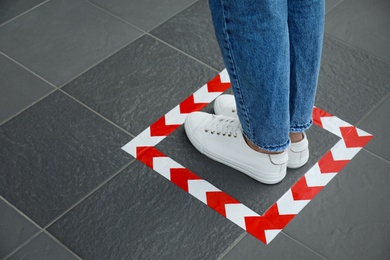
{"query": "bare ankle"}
pixel 296 137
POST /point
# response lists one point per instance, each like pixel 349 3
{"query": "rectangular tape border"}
pixel 265 227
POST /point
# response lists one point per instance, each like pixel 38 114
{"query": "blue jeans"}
pixel 272 52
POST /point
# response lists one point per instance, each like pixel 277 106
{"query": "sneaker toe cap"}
pixel 222 102
pixel 195 120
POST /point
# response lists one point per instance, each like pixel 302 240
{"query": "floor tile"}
pixel 349 219
pixel 54 153
pixel 15 229
pixel 282 247
pixel 351 82
pixel 141 215
pixel 192 32
pixel 257 196
pixel 140 83
pixel 43 247
pixel 12 8
pixel 60 39
pixel 19 88
pixel 144 14
pixel 364 24
pixel 378 124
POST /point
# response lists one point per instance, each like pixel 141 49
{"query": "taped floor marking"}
pixel 267 226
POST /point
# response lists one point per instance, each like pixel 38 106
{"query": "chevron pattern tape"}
pixel 267 226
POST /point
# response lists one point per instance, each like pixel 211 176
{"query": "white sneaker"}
pixel 220 138
pixel 298 153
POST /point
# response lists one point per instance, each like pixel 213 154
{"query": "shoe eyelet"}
pixel 212 132
pixel 233 110
pixel 229 134
pixel 218 133
pixel 206 130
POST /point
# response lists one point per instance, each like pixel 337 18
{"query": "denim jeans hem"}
pixel 271 147
pixel 300 128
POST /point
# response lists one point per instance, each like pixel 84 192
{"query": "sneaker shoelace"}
pixel 223 125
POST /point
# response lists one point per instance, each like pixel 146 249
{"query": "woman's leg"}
pixel 254 40
pixel 306 28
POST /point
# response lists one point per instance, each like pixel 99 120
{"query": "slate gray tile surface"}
pixel 282 247
pixel 15 229
pixel 54 153
pixel 257 196
pixel 60 39
pixel 192 32
pixel 349 219
pixel 43 247
pixel 140 83
pixel 378 124
pixel 141 215
pixel 12 8
pixel 351 82
pixel 364 24
pixel 144 14
pixel 18 88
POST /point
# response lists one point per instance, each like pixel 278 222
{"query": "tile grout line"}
pixel 182 52
pixel 25 12
pixel 142 33
pixel 28 69
pixel 35 236
pixel 305 246
pixel 156 38
pixel 139 28
pixel 116 16
pixel 96 113
pixel 334 7
pixel 23 244
pixel 29 220
pixel 100 61
pixel 29 106
pixel 34 74
pixel 377 156
pixel 61 244
pixel 51 92
pixel 44 229
pixel 372 110
pixel 89 194
pixel 233 245
pixel 20 212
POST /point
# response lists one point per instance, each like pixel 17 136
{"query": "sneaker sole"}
pixel 262 177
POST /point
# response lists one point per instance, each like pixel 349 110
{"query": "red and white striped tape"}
pixel 267 226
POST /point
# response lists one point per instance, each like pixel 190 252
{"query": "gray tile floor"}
pixel 79 79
